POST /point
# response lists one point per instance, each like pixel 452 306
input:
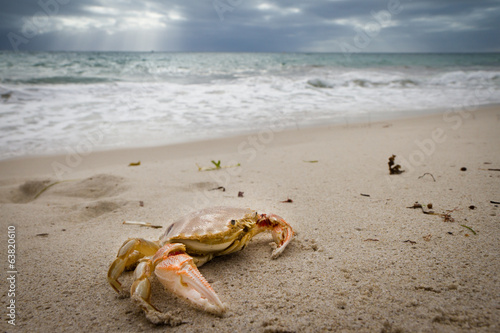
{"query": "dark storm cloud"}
pixel 246 25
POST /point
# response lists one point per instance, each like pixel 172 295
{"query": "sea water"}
pixel 52 102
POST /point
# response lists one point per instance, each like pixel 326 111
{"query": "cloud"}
pixel 244 25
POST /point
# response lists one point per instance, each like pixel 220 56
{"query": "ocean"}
pixel 56 102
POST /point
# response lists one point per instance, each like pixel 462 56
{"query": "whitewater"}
pixel 53 101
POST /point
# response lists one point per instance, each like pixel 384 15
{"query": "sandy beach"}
pixel 361 260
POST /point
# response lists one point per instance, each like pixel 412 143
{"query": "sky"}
pixel 251 25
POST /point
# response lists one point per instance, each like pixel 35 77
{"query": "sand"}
pixel 361 260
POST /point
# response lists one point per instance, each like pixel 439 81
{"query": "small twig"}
pixel 427 173
pixel 287 200
pixel 143 224
pixel 495 202
pixel 222 188
pixel 493 169
pixel 365 195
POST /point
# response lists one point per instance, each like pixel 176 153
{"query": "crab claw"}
pixel 282 233
pixel 178 273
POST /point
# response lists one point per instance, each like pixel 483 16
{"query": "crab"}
pixel 187 244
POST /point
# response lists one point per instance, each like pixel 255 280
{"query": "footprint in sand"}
pixel 95 187
pixel 24 193
pixel 100 207
pixel 88 198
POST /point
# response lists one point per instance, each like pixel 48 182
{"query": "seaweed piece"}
pixel 240 194
pixel 469 229
pixel 287 200
pixel 45 189
pixel 365 195
pixel 447 216
pixel 409 241
pixel 135 164
pixel 217 165
pixel 313 161
pixel 50 185
pixel 394 169
pixel 417 205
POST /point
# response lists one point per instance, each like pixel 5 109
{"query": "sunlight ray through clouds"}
pixel 259 26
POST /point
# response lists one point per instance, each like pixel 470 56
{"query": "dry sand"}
pixel 358 263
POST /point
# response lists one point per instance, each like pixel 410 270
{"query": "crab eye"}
pixel 233 222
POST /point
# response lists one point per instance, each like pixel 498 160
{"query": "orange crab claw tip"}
pixel 201 291
pixel 178 274
pixel 282 234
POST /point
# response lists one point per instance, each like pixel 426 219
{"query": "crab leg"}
pixel 129 254
pixel 140 292
pixel 178 273
pixel 141 288
pixel 282 232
